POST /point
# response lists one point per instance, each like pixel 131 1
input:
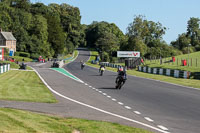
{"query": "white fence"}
pixel 4 68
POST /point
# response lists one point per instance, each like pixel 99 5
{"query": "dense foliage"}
pixel 189 41
pixel 42 30
pixel 106 37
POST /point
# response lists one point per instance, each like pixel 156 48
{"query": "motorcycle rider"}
pixel 121 75
pixel 102 67
pixel 82 64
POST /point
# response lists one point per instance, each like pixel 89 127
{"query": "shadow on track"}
pixel 108 88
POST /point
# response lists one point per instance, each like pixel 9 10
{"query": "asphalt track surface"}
pixel 157 104
pixel 174 107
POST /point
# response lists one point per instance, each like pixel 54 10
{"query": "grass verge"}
pixel 193 62
pixel 24 86
pixel 71 59
pixel 18 121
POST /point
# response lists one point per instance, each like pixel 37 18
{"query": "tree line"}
pixel 42 30
pixel 144 36
pixel 51 30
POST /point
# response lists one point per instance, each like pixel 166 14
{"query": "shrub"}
pixel 24 54
pixel 105 56
pixel 34 56
pixel 16 53
pixel 113 59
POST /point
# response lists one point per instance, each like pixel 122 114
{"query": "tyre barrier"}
pixel 107 64
pixel 4 68
pixel 167 72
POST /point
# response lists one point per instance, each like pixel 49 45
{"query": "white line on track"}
pixel 137 112
pixel 162 127
pixel 148 119
pixel 114 99
pixel 108 96
pixel 127 107
pixel 120 103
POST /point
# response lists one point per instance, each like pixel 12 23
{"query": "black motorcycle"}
pixel 82 66
pixel 120 82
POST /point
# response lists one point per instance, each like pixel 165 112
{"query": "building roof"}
pixel 8 35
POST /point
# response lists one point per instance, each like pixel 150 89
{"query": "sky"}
pixel 172 14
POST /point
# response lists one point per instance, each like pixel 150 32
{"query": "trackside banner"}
pixel 128 54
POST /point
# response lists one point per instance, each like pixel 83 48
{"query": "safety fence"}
pixel 167 72
pixel 175 61
pixel 4 68
pixel 160 71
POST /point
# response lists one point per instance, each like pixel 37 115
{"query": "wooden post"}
pixel 177 61
pixel 196 62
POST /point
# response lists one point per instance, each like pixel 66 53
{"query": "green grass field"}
pixel 17 121
pixel 192 66
pixel 24 86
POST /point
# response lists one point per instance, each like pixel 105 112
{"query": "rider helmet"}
pixel 121 69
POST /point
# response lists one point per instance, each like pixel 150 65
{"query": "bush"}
pixel 113 59
pixel 35 56
pixel 24 54
pixel 191 49
pixel 16 53
pixel 105 56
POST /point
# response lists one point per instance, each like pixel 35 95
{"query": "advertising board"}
pixel 128 54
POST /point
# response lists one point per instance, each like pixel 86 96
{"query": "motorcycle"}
pixel 82 66
pixel 102 71
pixel 120 82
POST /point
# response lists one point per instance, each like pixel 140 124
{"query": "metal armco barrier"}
pixel 4 68
pixel 167 72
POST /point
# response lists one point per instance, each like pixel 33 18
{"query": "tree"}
pixel 70 21
pixel 135 44
pixel 145 36
pixel 96 30
pixel 193 31
pixel 105 37
pixel 40 30
pixel 5 21
pixel 145 30
pixel 182 42
pixel 107 43
pixel 56 36
pixel 22 4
